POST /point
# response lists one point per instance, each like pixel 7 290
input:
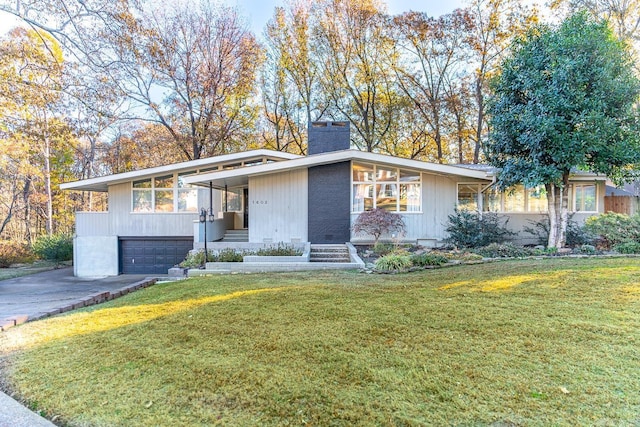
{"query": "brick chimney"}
pixel 324 137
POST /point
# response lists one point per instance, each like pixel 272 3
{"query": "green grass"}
pixel 548 342
pixel 26 269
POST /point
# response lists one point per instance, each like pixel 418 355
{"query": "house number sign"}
pixel 259 202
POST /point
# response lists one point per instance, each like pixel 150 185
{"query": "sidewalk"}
pixel 13 414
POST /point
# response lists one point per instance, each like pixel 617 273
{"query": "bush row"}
pixel 57 248
pixel 402 260
pixel 606 231
pixel 196 258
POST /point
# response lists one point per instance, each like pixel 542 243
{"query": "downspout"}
pixel 494 178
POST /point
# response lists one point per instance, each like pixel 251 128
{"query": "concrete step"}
pixel 238 236
pixel 242 231
pixel 328 248
pixel 330 260
pixel 329 254
pixel 344 254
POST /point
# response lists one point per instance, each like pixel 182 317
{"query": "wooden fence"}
pixel 621 204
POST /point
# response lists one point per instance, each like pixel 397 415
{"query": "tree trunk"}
pixel 479 118
pixel 558 203
pixel 47 178
pixel 14 200
pixel 26 193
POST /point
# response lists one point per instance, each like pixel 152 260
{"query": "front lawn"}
pixel 545 342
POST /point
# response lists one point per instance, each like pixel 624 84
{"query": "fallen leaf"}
pixel 564 390
pixel 148 404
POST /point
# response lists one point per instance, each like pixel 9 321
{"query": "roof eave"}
pixel 335 157
pixel 102 183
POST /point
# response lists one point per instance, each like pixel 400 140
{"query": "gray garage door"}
pixel 152 255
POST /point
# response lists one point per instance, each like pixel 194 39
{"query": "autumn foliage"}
pixel 378 222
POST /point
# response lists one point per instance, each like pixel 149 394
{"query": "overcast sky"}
pixel 258 12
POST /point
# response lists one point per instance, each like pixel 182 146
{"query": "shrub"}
pixel 426 259
pixel 228 255
pixel 377 222
pixel 628 248
pixel 587 249
pixel 469 229
pixel 612 229
pixel 196 259
pixel 382 249
pixel 394 262
pixel 462 256
pixel 282 249
pixel 57 248
pixel 13 253
pixel 576 234
pixel 504 250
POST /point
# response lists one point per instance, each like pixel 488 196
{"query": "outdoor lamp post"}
pixel 203 219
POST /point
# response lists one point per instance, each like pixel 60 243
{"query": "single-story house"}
pixel 265 196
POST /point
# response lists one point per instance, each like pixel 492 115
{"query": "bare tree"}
pixel 496 23
pixel 353 48
pixel 291 94
pixel 434 48
pixel 194 72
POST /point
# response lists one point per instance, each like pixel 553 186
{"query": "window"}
pixel 163 193
pixel 585 198
pixel 468 196
pixel 233 200
pixel 393 189
pixel 537 199
pixel 515 200
pixel 519 199
pixel 142 196
pixel 492 200
pixel 166 193
pixel 187 196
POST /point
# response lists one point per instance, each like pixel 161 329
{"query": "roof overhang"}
pixel 102 183
pixel 240 177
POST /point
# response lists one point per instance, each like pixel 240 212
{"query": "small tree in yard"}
pixel 377 222
pixel 565 100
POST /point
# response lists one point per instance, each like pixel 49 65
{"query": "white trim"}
pixel 479 194
pixel 236 176
pixel 374 182
pixel 102 183
pixel 175 189
pixel 573 196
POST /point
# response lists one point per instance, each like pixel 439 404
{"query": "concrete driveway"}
pixel 31 296
pixel 40 293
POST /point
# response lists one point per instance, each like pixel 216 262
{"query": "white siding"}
pixel 278 207
pixel 126 223
pixel 439 194
pixel 93 224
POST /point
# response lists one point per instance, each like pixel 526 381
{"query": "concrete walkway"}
pixel 13 414
pixel 37 295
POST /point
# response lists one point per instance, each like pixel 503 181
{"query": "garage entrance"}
pixel 152 255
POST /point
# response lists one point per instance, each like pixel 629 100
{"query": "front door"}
pixel 245 197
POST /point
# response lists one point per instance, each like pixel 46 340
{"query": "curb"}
pixel 93 299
